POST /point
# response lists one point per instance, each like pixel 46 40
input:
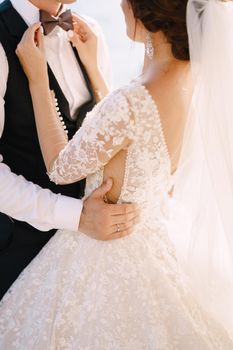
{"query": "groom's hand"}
pixel 103 221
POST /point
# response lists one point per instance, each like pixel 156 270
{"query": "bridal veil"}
pixel 204 180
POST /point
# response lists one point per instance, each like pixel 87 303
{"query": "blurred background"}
pixel 126 56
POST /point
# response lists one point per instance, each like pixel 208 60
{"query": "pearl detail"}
pixel 58 113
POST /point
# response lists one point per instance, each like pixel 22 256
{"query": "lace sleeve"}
pixel 105 131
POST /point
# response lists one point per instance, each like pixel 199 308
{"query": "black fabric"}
pixel 19 144
pixel 23 246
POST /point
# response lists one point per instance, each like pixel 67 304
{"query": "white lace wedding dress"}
pixel 129 294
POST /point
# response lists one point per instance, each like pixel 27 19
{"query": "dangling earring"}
pixel 149 45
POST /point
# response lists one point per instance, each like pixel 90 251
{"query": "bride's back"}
pixel 170 90
pixel 161 26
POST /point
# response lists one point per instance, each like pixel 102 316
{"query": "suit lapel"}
pixel 17 26
pixel 63 103
pixel 88 106
pixel 13 21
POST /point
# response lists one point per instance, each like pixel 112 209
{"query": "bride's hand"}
pixel 30 52
pixel 85 39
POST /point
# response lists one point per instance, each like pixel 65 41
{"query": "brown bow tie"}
pixel 49 22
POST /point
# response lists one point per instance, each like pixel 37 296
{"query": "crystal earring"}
pixel 149 45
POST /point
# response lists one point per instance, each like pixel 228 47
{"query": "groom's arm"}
pixel 26 201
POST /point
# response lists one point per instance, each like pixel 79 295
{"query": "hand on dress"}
pixel 85 39
pixel 31 54
pixel 102 221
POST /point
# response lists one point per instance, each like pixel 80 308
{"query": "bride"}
pixel 80 293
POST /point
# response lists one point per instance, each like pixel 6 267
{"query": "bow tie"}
pixel 49 22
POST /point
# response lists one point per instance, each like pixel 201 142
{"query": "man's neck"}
pixel 51 7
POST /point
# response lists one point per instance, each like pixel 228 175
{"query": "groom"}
pixel 27 198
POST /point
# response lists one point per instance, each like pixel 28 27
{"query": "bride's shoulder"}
pixel 118 105
pixel 114 102
pixel 122 100
pixel 131 90
pixel 134 91
pixel 120 96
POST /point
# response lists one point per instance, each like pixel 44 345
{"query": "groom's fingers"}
pixel 119 219
pixel 123 209
pixel 124 226
pixel 118 235
pixel 103 221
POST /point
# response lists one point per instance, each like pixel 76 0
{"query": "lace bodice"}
pixel 128 116
pixel 80 293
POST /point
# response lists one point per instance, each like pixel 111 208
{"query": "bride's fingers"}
pixel 75 39
pixel 30 34
pixel 79 30
pixel 28 41
pixel 81 26
pixel 82 34
pixel 77 19
pixel 40 38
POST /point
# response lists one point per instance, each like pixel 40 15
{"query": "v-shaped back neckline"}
pixel 155 107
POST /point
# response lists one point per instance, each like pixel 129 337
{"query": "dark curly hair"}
pixel 168 16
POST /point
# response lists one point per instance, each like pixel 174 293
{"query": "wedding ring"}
pixel 118 228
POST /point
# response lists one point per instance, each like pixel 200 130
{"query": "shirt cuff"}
pixel 67 213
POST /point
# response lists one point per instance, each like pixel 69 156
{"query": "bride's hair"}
pixel 168 16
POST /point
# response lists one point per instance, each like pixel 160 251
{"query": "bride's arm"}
pixel 51 134
pixel 106 130
pixel 30 52
pixel 85 39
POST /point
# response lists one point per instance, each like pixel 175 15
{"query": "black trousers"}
pixel 19 244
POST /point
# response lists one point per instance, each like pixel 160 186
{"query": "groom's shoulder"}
pixel 92 22
pixel 5 6
pixel 88 19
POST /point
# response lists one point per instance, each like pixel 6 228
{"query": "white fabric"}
pixel 204 181
pixel 41 208
pixel 85 294
pixel 25 201
pixel 61 58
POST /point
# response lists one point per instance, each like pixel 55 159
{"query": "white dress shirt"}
pixel 19 198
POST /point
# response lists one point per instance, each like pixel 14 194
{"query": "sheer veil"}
pixel 204 180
